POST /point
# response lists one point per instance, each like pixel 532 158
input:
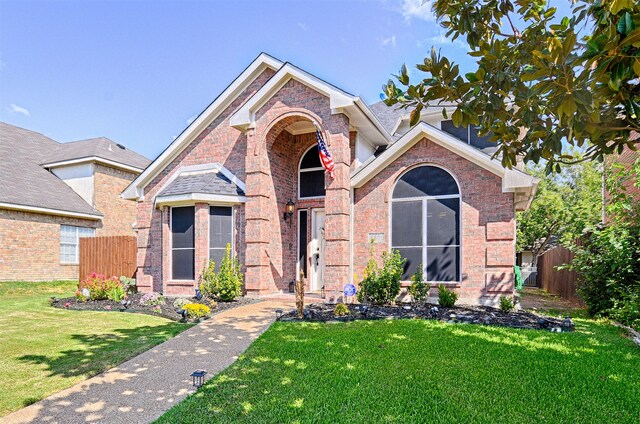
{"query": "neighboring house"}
pixel 51 194
pixel 246 172
pixel 627 158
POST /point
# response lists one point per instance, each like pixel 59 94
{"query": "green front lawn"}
pixel 44 349
pixel 414 371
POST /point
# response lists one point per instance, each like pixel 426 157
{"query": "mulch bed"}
pixel 483 315
pixel 166 310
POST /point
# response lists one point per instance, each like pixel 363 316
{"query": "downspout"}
pixel 351 223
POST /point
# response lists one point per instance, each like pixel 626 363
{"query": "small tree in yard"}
pixel 226 285
pixel 608 262
pixel 419 290
pixel 229 277
pixel 381 286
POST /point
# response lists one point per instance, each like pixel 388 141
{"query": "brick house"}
pixel 51 194
pixel 247 172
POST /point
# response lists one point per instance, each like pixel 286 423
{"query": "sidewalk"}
pixel 141 389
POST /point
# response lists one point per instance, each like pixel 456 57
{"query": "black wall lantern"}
pixel 288 211
pixel 198 378
pixel 292 286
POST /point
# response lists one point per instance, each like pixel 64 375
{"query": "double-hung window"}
pixel 183 243
pixel 220 232
pixel 70 242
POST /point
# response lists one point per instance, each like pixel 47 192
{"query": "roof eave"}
pixel 50 211
pixel 135 190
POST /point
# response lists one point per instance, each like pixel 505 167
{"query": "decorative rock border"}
pixel 483 315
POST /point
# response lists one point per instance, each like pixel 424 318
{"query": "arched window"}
pixel 311 175
pixel 425 223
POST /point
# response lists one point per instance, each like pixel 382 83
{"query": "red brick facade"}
pixel 266 158
pixel 30 246
pixel 488 220
pixel 30 242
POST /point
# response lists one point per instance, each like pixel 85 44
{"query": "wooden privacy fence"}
pixel 559 282
pixel 109 256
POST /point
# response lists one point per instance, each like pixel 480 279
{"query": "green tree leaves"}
pixel 567 81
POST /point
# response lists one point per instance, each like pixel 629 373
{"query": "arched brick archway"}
pixel 272 175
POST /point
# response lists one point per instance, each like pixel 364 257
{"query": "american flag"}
pixel 325 156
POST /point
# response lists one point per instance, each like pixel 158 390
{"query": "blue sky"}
pixel 138 71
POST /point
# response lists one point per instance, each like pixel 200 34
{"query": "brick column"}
pixel 166 250
pixel 201 239
pixel 337 214
pixel 258 278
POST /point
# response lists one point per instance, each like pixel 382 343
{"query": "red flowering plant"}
pixel 100 287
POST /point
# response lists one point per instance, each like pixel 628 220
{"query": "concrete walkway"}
pixel 143 388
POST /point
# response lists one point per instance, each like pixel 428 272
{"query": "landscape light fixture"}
pixel 198 378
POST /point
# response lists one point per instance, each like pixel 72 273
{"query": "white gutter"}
pixel 96 159
pixel 49 211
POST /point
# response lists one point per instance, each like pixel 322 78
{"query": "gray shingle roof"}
pixel 203 183
pixel 24 182
pixel 389 116
pixel 99 147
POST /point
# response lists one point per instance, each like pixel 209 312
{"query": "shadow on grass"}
pixel 422 371
pixel 100 352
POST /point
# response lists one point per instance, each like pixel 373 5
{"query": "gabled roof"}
pixel 513 180
pixel 340 101
pixel 95 150
pixel 259 65
pixel 25 185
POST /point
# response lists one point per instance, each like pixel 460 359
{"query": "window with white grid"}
pixel 70 242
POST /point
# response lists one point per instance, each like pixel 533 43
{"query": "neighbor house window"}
pixel 182 243
pixel 220 232
pixel 425 223
pixel 311 174
pixel 467 134
pixel 70 242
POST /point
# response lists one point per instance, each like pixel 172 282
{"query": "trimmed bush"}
pixel 381 286
pixel 446 298
pixel 196 310
pixel 507 304
pixel 341 310
pixel 226 285
pixel 180 302
pixel 418 289
pixel 99 287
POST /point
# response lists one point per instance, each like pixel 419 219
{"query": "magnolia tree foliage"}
pixel 542 81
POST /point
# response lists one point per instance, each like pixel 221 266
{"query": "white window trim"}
pixel 424 246
pixel 171 248
pixel 309 170
pixel 233 230
pixel 76 244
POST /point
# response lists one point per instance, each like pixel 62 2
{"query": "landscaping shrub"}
pixel 152 299
pixel 116 293
pixel 208 280
pixel 446 298
pixel 229 277
pixel 507 304
pixel 226 285
pixel 99 286
pixel 381 286
pixel 418 289
pixel 180 302
pixel 196 310
pixel 608 260
pixel 130 285
pixel 341 310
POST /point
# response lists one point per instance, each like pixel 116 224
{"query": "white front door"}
pixel 317 249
